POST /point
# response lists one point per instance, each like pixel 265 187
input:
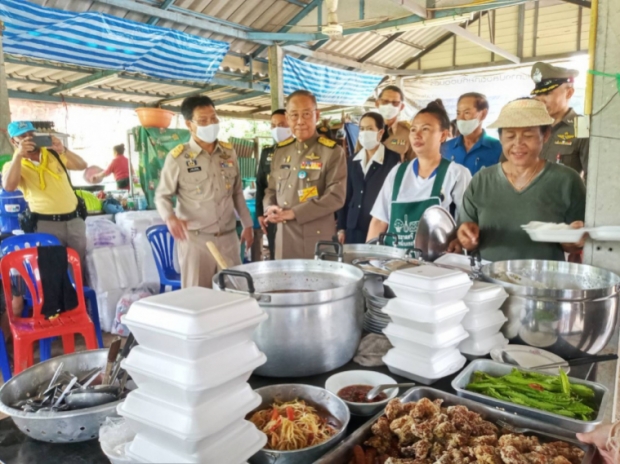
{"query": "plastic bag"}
pixel 103 233
pixel 114 436
pixel 125 303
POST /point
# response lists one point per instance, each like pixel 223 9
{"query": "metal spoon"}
pixel 81 399
pixel 379 388
pixel 507 359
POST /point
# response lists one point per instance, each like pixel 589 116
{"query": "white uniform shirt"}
pixel 414 188
pixel 378 158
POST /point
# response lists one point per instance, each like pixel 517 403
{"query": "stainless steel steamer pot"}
pixel 571 310
pixel 315 311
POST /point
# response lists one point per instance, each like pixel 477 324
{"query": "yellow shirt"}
pixel 45 186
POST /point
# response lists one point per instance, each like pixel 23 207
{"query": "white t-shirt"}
pixel 414 188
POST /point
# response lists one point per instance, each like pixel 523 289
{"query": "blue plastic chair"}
pixel 162 244
pixel 19 242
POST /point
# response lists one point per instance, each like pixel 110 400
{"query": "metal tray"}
pixel 342 454
pixel 498 369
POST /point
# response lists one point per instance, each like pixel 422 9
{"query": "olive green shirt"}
pixel 557 195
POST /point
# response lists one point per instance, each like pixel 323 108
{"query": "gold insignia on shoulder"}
pixel 327 142
pixel 176 151
pixel 405 124
pixel 224 156
pixel 226 145
pixel 286 142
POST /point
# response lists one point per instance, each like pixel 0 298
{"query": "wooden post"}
pixel 5 112
pixel 276 56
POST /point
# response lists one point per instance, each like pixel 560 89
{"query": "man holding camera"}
pixel 40 172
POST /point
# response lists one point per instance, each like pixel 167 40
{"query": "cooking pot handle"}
pixel 415 253
pixel 235 273
pixel 337 253
pixel 383 236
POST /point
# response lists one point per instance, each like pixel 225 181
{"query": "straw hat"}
pixel 523 113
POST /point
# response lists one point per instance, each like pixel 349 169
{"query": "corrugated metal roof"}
pixel 273 15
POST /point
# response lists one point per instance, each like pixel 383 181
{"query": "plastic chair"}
pixel 19 242
pixel 162 244
pixel 28 330
pixel 5 364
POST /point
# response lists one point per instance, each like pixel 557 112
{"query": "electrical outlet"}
pixel 582 127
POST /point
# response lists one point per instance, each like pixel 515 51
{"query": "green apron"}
pixel 405 216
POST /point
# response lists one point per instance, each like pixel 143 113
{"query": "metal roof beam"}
pixel 380 47
pixel 412 6
pixel 292 22
pixel 347 62
pixel 97 78
pixel 240 97
pixel 164 6
pixel 298 3
pixel 459 31
pixel 581 3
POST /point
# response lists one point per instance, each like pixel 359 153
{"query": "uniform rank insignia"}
pixel 311 165
pixel 227 164
pixel 327 142
pixel 190 163
pixel 226 145
pixel 312 157
pixel 176 151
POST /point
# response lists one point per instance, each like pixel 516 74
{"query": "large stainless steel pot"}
pixel 315 311
pixel 566 308
pixel 349 253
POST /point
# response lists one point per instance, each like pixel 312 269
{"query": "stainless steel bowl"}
pixel 56 427
pixel 555 280
pixel 315 396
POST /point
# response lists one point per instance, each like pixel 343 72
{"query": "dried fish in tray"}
pixel 541 432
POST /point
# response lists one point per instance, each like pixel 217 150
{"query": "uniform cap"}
pixel 548 77
pixel 17 128
pixel 523 113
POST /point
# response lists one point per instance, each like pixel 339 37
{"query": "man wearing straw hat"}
pixel 524 188
pixel 555 87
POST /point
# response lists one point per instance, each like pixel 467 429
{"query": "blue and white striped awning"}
pixel 102 41
pixel 329 85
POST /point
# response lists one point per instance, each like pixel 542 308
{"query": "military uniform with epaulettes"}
pixel 309 177
pixel 208 189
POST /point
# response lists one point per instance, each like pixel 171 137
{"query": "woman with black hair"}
pixel 428 180
pixel 366 173
pixel 119 167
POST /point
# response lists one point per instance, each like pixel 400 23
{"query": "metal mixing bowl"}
pixel 56 427
pixel 314 396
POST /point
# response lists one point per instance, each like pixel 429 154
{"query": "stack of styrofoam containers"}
pixel 484 320
pixel 192 364
pixel 426 328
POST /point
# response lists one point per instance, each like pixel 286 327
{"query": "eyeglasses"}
pixel 389 102
pixel 304 115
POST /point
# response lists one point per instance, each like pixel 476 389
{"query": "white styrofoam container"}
pixel 185 428
pixel 194 312
pixel 425 318
pixel 233 445
pixel 429 297
pixel 428 278
pixel 473 348
pixel 485 325
pixel 420 369
pixel 484 297
pixel 427 345
pixel 190 383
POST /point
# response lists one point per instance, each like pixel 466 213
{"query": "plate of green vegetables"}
pixel 554 394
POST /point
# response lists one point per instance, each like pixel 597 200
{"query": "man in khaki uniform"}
pixel 390 103
pixel 307 184
pixel 204 176
pixel 554 87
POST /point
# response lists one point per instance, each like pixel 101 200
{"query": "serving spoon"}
pixel 379 388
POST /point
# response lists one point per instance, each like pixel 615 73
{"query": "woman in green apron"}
pixel 428 180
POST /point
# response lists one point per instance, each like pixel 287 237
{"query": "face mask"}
pixel 389 111
pixel 368 139
pixel 280 134
pixel 208 133
pixel 467 127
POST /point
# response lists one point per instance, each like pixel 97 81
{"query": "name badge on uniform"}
pixel 311 165
pixel 194 169
pixel 308 194
pixel 227 164
pixel 285 166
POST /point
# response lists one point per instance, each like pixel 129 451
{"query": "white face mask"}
pixel 389 111
pixel 208 133
pixel 280 134
pixel 369 139
pixel 466 127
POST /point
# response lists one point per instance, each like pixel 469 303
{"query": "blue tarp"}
pixel 330 85
pixel 99 40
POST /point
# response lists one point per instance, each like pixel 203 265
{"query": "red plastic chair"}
pixel 28 330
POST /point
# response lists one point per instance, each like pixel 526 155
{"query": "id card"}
pixel 308 194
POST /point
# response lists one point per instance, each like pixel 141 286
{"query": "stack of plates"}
pixel 374 319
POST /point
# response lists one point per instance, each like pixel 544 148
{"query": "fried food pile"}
pixel 426 433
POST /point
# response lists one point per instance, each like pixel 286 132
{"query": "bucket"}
pixel 11 205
